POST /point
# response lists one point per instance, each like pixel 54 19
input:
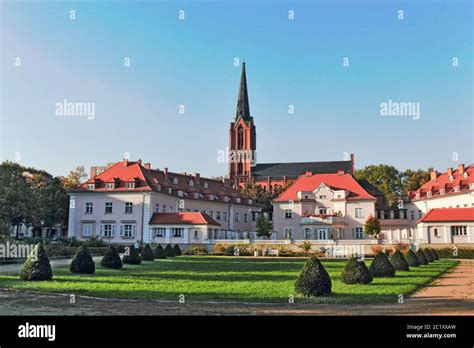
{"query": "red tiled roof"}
pixel 309 183
pixel 448 214
pixel 182 219
pixel 443 181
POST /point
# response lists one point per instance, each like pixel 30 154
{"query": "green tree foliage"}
pixel 37 266
pixel 384 177
pixel 313 280
pixel 381 266
pixel 414 179
pixel 372 226
pixel 264 227
pixel 256 193
pixel 111 258
pixel 82 261
pixel 356 272
pixel 177 250
pixel 169 251
pixel 131 256
pixel 398 261
pixel 411 259
pixel 75 178
pixel 160 252
pixel 421 257
pixel 147 253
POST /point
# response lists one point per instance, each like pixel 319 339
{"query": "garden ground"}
pixel 237 286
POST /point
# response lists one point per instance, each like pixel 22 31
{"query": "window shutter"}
pixel 122 231
pixel 113 231
pixel 101 230
pixel 134 230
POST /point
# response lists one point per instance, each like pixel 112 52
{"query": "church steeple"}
pixel 243 108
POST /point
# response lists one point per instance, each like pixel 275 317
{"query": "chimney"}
pixel 340 172
pixel 125 163
pixel 165 170
pixel 450 171
pixel 139 161
pixel 147 166
pixel 434 175
pixel 93 172
pixel 308 173
pixel 197 177
pixel 461 169
pixel 353 165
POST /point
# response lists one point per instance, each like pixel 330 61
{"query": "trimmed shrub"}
pixel 37 266
pixel 421 257
pixel 147 254
pixel 314 279
pixel 196 250
pixel 411 258
pixel 160 252
pixel 435 254
pixel 356 272
pixel 177 250
pixel 398 261
pixel 431 253
pixel 428 255
pixel 111 259
pixel 82 262
pixel 133 257
pixel 169 251
pixel 454 252
pixel 381 266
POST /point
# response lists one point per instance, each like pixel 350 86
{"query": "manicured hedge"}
pixel 313 280
pixel 421 257
pixel 356 272
pixel 428 255
pixel 133 258
pixel 177 250
pixel 82 262
pixel 37 266
pixel 398 261
pixel 111 258
pixel 411 258
pixel 169 251
pixel 381 266
pixel 147 254
pixel 449 253
pixel 160 252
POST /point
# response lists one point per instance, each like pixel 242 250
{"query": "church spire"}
pixel 243 108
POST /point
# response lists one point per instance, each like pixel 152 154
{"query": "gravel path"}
pixel 451 294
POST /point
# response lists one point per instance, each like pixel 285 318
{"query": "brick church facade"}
pixel 270 176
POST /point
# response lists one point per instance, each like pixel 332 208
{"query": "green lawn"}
pixel 213 278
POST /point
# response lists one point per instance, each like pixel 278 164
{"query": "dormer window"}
pixel 471 185
pixel 170 190
pixel 110 185
pixel 238 200
pixel 130 185
pixel 91 186
pixel 451 178
pixel 191 183
pixel 465 175
pixel 250 201
pixel 158 187
pixel 442 191
pixel 211 197
pixel 206 185
pixel 180 193
pixel 417 195
pixel 196 195
pixel 175 181
pixel 428 194
pixel 456 188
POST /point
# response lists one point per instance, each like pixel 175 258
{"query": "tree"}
pixel 384 177
pixel 306 246
pixel 264 227
pixel 75 178
pixel 356 272
pixel 398 261
pixel 313 280
pixel 256 193
pixel 160 252
pixel 147 253
pixel 411 259
pixel 131 256
pixel 413 179
pixel 421 257
pixel 177 250
pixel 111 258
pixel 381 266
pixel 37 266
pixel 372 226
pixel 82 262
pixel 169 251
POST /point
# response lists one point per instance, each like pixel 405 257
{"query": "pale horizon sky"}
pixel 190 62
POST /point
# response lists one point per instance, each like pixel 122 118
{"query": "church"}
pixel 243 147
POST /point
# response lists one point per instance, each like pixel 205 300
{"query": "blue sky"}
pixel 190 62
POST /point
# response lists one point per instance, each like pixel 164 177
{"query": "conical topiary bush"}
pixel 432 253
pixel 147 254
pixel 111 259
pixel 133 257
pixel 37 266
pixel 398 261
pixel 314 279
pixel 160 252
pixel 428 256
pixel 411 258
pixel 381 266
pixel 435 254
pixel 421 257
pixel 169 251
pixel 177 250
pixel 356 272
pixel 82 262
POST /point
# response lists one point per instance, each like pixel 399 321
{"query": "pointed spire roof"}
pixel 243 108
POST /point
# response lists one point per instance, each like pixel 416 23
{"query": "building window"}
pixel 288 214
pixel 130 185
pixel 436 232
pixel 324 211
pixel 108 207
pixel 191 183
pixel 89 207
pixel 159 231
pixel 288 232
pixel 419 214
pixel 171 208
pixel 128 230
pixel 224 215
pixel 163 209
pixel 157 208
pixel 236 217
pixel 206 185
pixel 322 197
pixel 211 214
pixel 90 186
pixel 459 230
pixel 246 217
pixel 412 214
pixel 107 230
pixel 177 232
pixel 87 230
pixel 359 213
pixel 175 181
pixel 218 215
pixel 358 232
pixel 307 233
pixel 128 207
